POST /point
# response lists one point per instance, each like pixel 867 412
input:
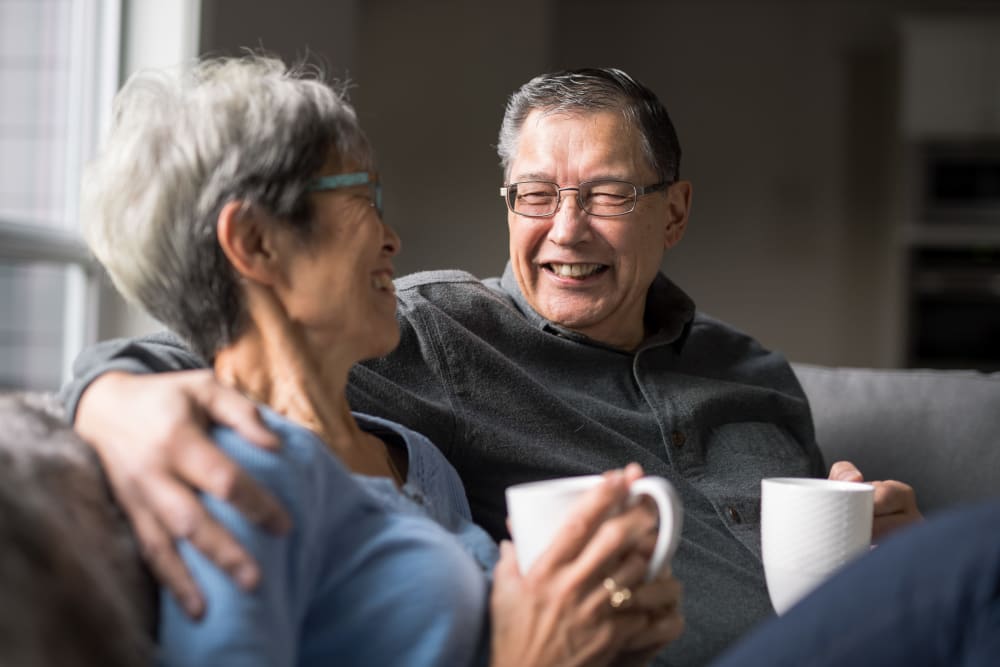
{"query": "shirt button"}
pixel 678 438
pixel 733 514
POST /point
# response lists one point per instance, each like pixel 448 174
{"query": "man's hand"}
pixel 150 433
pixel 895 502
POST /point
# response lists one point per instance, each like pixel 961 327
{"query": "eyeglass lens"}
pixel 601 198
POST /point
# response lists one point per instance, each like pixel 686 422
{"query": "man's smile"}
pixel 579 271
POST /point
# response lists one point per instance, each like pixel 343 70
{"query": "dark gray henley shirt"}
pixel 510 397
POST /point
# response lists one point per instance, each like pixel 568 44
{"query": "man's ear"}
pixel 678 208
pixel 247 241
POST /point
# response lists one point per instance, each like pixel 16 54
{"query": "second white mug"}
pixel 809 529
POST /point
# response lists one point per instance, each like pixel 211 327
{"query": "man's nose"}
pixel 570 224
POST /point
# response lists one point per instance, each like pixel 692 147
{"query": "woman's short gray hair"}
pixel 183 143
pixel 591 90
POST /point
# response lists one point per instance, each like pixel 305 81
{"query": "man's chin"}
pixel 569 315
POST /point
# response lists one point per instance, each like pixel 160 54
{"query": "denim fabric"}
pixel 509 397
pixel 929 596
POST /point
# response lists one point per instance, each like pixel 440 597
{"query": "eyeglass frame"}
pixel 339 181
pixel 640 190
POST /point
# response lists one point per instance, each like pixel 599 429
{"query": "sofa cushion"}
pixel 937 430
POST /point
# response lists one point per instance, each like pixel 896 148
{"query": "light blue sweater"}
pixel 368 575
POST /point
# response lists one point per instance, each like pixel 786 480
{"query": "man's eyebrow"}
pixel 533 176
pixel 603 176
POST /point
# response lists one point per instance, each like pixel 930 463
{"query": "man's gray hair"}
pixel 183 143
pixel 591 90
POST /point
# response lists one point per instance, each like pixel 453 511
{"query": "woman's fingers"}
pixel 659 603
pixel 624 534
pixel 660 594
pixel 587 517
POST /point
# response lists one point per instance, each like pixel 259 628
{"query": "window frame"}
pixel 109 40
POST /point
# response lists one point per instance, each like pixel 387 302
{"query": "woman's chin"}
pixel 383 344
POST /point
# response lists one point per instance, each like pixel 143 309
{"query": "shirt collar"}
pixel 669 312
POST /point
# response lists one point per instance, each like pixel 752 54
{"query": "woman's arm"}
pixel 352 583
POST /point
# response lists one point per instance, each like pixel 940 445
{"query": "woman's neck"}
pixel 292 380
pixel 306 383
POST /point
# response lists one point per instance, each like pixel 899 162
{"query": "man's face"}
pixel 587 273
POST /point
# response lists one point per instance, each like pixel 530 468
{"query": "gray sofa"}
pixel 938 431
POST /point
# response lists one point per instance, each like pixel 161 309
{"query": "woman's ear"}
pixel 247 240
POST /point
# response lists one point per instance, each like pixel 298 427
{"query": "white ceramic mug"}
pixel 810 528
pixel 538 509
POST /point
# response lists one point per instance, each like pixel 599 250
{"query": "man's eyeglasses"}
pixel 339 181
pixel 605 199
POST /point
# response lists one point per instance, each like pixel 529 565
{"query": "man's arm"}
pixel 154 353
pixel 149 431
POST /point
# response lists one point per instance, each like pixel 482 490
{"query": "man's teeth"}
pixel 382 281
pixel 575 270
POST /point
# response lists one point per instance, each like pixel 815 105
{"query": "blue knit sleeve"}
pixel 351 584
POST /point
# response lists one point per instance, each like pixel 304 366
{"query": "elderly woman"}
pixel 238 203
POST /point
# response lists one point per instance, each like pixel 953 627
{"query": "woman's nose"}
pixel 391 243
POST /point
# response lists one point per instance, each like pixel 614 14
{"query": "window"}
pixel 58 72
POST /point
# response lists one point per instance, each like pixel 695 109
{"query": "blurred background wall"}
pixel 845 154
pixel 791 115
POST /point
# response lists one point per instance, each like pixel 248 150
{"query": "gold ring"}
pixel 618 596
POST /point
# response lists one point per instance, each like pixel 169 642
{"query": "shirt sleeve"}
pixel 150 354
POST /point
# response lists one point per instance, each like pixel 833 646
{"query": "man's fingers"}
pixel 229 407
pixel 845 471
pixel 895 507
pixel 202 465
pixel 892 497
pixel 159 553
pixel 185 517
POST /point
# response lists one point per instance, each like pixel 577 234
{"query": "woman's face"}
pixel 338 281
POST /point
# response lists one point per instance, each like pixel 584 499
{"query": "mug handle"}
pixel 668 503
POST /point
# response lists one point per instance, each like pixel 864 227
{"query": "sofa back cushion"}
pixel 937 430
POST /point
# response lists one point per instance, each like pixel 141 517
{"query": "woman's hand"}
pixel 150 433
pixel 560 612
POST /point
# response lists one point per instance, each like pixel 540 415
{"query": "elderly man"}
pixel 580 358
